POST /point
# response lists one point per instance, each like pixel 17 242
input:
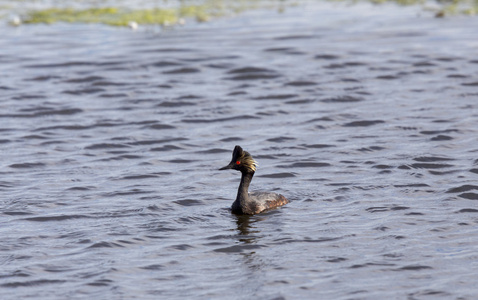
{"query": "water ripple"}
pixel 112 139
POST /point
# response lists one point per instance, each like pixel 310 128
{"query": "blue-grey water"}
pixel 365 117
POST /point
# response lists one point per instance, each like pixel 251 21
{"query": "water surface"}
pixel 364 117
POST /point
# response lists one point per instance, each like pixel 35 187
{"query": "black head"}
pixel 241 161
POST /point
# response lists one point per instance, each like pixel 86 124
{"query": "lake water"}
pixel 365 117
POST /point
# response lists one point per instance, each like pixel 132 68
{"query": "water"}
pixel 364 117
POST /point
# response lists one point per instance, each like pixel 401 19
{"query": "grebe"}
pixel 250 203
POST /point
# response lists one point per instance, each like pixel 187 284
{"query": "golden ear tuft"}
pixel 248 161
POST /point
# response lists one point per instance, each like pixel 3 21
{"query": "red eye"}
pixel 238 162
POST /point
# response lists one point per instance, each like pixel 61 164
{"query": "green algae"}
pixel 201 12
pixel 108 15
pixel 205 10
pixel 454 7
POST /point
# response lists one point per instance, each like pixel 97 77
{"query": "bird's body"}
pixel 255 202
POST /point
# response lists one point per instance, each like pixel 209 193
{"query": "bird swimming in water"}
pixel 255 202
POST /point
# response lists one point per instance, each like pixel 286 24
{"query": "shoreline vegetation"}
pixel 203 11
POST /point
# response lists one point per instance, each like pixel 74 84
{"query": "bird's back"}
pixel 267 200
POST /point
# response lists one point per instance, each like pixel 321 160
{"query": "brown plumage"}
pixel 255 202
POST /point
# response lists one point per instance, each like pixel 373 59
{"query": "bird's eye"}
pixel 238 162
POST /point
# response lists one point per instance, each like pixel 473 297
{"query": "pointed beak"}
pixel 229 166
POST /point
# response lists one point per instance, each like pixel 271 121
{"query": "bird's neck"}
pixel 242 193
